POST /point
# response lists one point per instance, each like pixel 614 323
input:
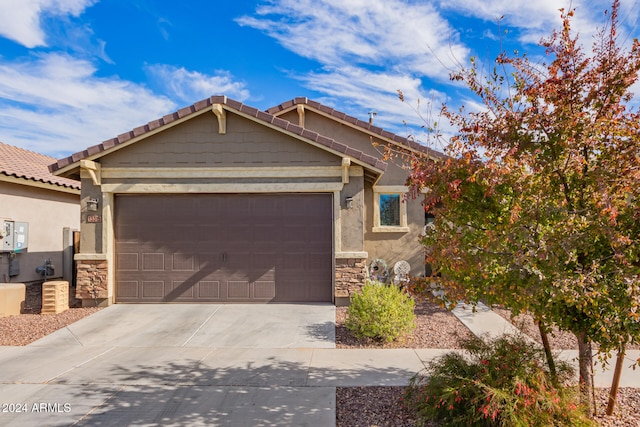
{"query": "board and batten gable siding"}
pixel 197 143
pixel 357 139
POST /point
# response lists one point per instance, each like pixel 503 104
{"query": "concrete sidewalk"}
pixel 484 322
pixel 80 379
pixel 200 386
pixel 190 385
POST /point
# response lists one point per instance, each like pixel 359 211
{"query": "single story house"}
pixel 222 202
pixel 38 214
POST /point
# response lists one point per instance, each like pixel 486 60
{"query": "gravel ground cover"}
pixel 355 406
pixel 438 328
pixel 31 326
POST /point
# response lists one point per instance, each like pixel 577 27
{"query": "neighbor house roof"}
pixel 28 167
pixel 96 151
pixel 365 126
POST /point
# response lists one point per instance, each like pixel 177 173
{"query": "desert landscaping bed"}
pixel 355 406
pixel 31 325
pixel 436 327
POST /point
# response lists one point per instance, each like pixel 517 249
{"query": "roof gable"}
pixel 207 105
pixel 31 167
pixel 355 123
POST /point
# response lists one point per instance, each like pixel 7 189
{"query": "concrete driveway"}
pixel 202 325
pixel 174 365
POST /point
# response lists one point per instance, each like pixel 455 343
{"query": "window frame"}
pixel 394 190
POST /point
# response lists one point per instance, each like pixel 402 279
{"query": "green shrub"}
pixel 381 312
pixel 500 382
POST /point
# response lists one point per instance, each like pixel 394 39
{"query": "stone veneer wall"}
pixel 91 280
pixel 350 276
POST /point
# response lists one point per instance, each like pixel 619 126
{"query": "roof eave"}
pixel 31 182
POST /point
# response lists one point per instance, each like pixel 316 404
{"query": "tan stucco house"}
pixel 38 214
pixel 222 202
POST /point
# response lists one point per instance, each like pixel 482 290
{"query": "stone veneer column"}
pixel 91 282
pixel 351 274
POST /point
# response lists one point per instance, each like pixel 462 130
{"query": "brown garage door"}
pixel 224 248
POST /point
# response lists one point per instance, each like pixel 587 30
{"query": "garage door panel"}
pixel 127 261
pixel 180 291
pixel 266 261
pixel 211 233
pixel 153 261
pixel 236 260
pixel 315 291
pixel 153 289
pixel 223 248
pixel 239 207
pixel 265 233
pixel 293 261
pixel 264 289
pixel 209 289
pixel 293 289
pixel 268 207
pixel 239 233
pixel 209 258
pixel 238 289
pixel 127 289
pixel 317 261
pixel 183 262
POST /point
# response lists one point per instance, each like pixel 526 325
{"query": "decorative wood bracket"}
pixel 346 162
pixel 221 114
pixel 94 171
pixel 300 109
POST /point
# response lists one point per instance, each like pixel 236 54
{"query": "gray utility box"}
pixel 14 235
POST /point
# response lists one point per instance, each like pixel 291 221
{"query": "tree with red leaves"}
pixel 538 203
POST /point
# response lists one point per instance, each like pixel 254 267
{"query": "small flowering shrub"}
pixel 501 382
pixel 381 312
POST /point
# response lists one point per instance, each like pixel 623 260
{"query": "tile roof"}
pixel 365 125
pixel 20 163
pixel 230 104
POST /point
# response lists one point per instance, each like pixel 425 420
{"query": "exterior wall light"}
pixel 349 202
pixel 92 205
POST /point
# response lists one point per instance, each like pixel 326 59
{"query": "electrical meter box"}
pixel 14 236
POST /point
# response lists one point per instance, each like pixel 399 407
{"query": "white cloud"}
pixel 386 33
pixel 190 86
pixel 20 20
pixel 55 104
pixel 368 49
pixel 536 19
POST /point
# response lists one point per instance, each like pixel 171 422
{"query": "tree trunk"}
pixel 615 383
pixel 585 363
pixel 548 354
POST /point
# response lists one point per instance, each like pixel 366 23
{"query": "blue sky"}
pixel 76 72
